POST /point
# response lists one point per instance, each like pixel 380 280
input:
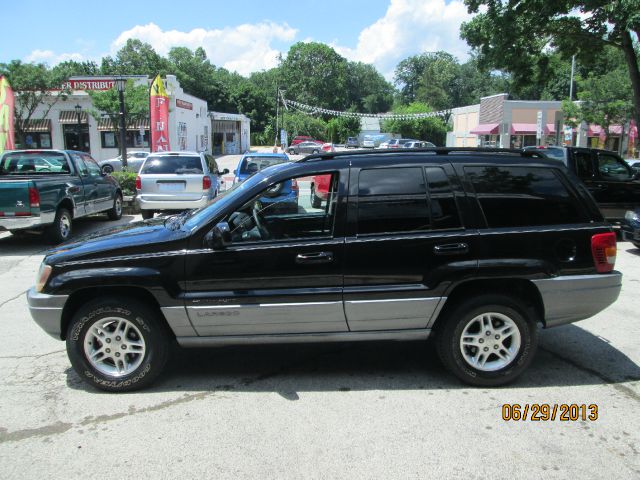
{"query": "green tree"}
pixel 135 58
pixel 515 35
pixel 300 124
pixel 368 91
pixel 35 88
pixel 432 129
pixel 107 103
pixel 339 128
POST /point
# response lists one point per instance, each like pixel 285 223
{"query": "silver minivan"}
pixel 177 181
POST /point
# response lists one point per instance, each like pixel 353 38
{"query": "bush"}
pixel 127 181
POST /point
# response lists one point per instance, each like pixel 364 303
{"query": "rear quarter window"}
pixel 514 196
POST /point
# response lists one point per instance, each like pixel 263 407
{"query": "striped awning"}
pixel 69 117
pixel 37 125
pixel 105 124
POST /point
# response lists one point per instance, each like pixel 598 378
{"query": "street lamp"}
pixel 78 110
pixel 120 84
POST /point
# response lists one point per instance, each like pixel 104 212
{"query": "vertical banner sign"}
pixel 7 139
pixel 159 110
pixel 633 135
pixel 539 126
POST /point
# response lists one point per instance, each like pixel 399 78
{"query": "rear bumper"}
pixel 571 298
pixel 22 223
pixel 46 310
pixel 151 203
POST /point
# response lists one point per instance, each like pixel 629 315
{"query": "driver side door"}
pixel 280 275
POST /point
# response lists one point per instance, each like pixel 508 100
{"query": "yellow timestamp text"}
pixel 546 412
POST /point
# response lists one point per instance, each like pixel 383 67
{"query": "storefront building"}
pixel 73 122
pixel 230 133
pixel 499 122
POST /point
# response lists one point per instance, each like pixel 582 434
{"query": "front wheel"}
pixel 107 169
pixel 488 340
pixel 117 344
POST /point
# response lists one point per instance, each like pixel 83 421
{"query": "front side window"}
pixel 611 167
pixel 92 166
pixel 285 211
pixel 392 200
pixel 523 196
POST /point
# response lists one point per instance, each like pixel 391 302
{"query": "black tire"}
pixel 636 244
pixel 107 169
pixel 115 213
pixel 60 230
pixel 315 151
pixel 143 327
pixel 147 214
pixel 315 201
pixel 450 331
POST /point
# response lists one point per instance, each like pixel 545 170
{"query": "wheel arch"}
pixel 67 203
pixel 520 289
pixel 82 296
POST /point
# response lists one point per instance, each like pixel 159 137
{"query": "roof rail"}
pixel 434 150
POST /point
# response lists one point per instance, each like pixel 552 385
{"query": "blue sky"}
pixel 240 35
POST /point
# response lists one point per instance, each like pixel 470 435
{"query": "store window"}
pixel 37 140
pixel 133 138
pixel 182 136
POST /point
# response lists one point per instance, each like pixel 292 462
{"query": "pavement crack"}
pixel 629 392
pixel 13 298
pixel 18 357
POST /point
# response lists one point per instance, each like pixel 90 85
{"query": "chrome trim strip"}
pixel 391 300
pixel 140 256
pixel 213 341
pixel 257 305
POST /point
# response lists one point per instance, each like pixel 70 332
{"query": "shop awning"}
pixel 596 130
pixel 486 129
pixel 523 129
pixel 70 117
pixel 550 129
pixel 37 125
pixel 105 125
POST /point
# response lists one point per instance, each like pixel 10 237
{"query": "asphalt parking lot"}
pixel 384 410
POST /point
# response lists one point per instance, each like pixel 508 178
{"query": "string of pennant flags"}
pixel 313 110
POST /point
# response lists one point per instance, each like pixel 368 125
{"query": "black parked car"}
pixel 478 247
pixel 631 227
pixel 613 183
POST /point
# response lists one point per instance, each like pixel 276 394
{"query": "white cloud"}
pixel 51 58
pixel 410 27
pixel 244 48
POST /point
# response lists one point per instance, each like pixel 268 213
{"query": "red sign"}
pixel 159 109
pixel 7 140
pixel 104 84
pixel 183 104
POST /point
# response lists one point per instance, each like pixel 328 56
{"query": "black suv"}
pixel 476 247
pixel 614 184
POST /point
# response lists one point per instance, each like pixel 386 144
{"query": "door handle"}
pixel 318 257
pixel 451 249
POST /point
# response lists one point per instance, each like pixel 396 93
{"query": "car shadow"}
pixel 33 243
pixel 568 356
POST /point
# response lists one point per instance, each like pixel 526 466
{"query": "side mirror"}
pixel 235 172
pixel 225 171
pixel 219 238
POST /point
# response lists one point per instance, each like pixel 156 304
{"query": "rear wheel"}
pixel 117 344
pixel 60 230
pixel 488 340
pixel 147 214
pixel 116 211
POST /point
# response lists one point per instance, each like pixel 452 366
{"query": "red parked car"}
pixel 304 138
pixel 320 189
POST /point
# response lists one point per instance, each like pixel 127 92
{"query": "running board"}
pixel 194 342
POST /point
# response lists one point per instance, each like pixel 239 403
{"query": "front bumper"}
pixel 46 310
pixel 572 298
pixel 151 203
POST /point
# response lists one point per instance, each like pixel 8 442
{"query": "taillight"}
pixel 294 185
pixel 206 183
pixel 603 248
pixel 138 183
pixel 34 197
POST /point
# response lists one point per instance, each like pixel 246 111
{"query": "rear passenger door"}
pixel 103 187
pixel 406 241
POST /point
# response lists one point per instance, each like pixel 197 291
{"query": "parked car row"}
pixel 135 159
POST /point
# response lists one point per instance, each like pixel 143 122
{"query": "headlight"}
pixel 632 216
pixel 43 276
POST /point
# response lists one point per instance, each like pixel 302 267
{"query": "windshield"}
pixel 251 165
pixel 172 164
pixel 22 163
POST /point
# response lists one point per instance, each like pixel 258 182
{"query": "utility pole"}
pixel 275 140
pixel 573 67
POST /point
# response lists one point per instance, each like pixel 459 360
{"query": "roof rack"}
pixel 434 150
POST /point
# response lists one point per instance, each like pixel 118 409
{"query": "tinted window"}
pixel 613 168
pixel 21 163
pixel 392 200
pixel 252 165
pixel 523 196
pixel 91 166
pixel 584 165
pixel 180 164
pixel 444 212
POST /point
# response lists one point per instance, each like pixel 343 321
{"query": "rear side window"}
pixel 172 164
pixel 27 163
pixel 523 196
pixel 392 200
pixel 444 211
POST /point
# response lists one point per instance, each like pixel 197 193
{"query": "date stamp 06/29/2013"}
pixel 546 412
